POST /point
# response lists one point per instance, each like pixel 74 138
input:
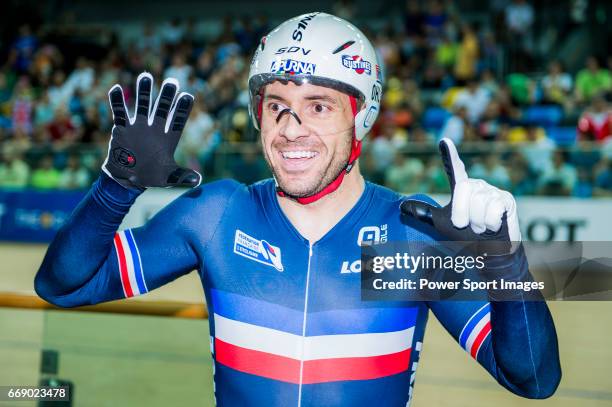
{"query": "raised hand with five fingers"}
pixel 141 149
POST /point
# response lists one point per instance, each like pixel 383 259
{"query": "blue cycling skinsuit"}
pixel 287 324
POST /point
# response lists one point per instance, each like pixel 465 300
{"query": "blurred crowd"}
pixel 525 126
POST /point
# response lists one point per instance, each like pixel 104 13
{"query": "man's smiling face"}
pixel 306 157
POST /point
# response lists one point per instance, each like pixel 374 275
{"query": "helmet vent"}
pixel 343 46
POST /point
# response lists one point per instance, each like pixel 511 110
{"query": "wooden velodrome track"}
pixel 134 360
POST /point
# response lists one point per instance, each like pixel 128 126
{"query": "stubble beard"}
pixel 316 183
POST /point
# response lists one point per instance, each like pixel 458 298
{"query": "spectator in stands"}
pixel 560 178
pixel 369 167
pixel 603 182
pixel 92 123
pixel 538 150
pixel 249 167
pixel 508 109
pixel 522 179
pixel 435 20
pixel 522 88
pixel 344 9
pixel 433 77
pixel 447 51
pixel 519 17
pixel 436 180
pixel 6 89
pixel 406 174
pixel 79 80
pixel 149 40
pixel 489 83
pixel 19 140
pixel 200 138
pixel 475 99
pixel 467 54
pixel 22 50
pixel 492 171
pixel 490 52
pixel 46 59
pixel 414 19
pixel 76 108
pixel 228 46
pixel 557 84
pixel 382 150
pixel 75 175
pixel 456 126
pixel 595 124
pixel 246 36
pixel 592 80
pixel 57 92
pixel 179 70
pixel 46 176
pixel 584 184
pixel 490 124
pixel 420 136
pixel 195 85
pixel 43 111
pixel 412 97
pixel 173 32
pixel 14 171
pixel 23 102
pixel 62 128
pixel 388 50
pixel 205 64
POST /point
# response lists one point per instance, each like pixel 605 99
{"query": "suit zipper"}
pixel 304 323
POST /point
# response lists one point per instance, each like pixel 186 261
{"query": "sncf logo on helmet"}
pixel 292 67
pixel 356 63
pixel 302 24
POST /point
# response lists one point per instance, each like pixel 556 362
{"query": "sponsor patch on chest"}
pixel 258 250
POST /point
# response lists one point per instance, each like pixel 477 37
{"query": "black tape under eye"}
pixel 291 112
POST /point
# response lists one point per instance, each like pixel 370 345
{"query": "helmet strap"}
pixel 332 186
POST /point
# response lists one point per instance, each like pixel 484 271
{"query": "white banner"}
pixel 542 218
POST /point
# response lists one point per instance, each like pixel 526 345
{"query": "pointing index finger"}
pixel 454 167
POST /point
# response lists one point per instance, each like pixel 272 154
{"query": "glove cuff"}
pixel 512 267
pixel 113 194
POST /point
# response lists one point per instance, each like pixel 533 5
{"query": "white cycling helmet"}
pixel 324 50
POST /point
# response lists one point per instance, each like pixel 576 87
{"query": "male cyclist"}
pixel 279 259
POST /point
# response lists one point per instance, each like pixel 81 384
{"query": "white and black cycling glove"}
pixel 478 211
pixel 141 149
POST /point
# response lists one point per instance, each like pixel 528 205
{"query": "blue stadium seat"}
pixel 5 122
pixel 562 136
pixel 435 117
pixel 543 115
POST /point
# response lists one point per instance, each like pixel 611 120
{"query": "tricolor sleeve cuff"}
pixel 476 330
pixel 129 263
